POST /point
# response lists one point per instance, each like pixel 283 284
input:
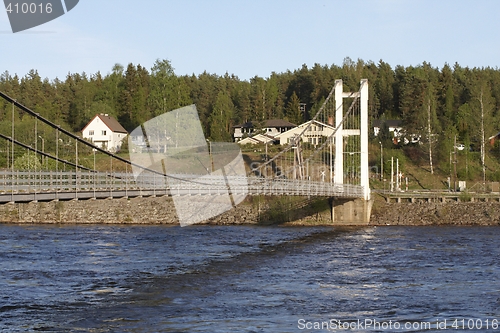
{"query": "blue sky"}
pixel 254 37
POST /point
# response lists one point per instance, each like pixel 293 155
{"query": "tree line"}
pixel 443 103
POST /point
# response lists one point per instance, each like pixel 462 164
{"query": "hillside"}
pixel 415 167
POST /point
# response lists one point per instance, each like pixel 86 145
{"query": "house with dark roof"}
pixel 270 128
pixel 105 131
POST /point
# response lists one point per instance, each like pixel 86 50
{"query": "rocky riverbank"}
pixel 148 210
pixel 436 213
pixel 161 210
pixel 254 210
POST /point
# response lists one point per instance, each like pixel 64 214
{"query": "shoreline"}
pixel 437 213
pixel 265 211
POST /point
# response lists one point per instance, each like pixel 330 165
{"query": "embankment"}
pixel 254 210
pixel 436 213
pixel 161 210
pixel 143 210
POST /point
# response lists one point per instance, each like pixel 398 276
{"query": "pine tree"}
pixel 220 119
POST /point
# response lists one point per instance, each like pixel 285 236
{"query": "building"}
pixel 314 134
pixel 257 139
pixel 494 138
pixel 394 127
pixel 105 131
pixel 270 128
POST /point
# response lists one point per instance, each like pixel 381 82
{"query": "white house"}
pixel 394 127
pixel 105 131
pixel 248 140
pixel 313 134
pixel 270 128
pixel 256 139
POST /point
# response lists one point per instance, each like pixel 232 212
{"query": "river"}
pixel 111 278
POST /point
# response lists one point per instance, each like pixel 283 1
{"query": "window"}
pixel 91 132
pixel 104 132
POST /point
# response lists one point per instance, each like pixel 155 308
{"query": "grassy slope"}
pixel 414 164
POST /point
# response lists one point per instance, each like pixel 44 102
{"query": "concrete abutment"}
pixel 350 211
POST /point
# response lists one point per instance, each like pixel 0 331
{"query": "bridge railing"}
pixel 71 181
pixel 265 186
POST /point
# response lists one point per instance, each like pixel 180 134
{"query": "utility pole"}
pixel 265 160
pixel 43 150
pixel 381 161
pixel 455 165
pixel 392 174
pixel 429 133
pixel 12 136
pixel 331 159
pixel 36 140
pixel 483 152
pixel 397 174
pixel 449 177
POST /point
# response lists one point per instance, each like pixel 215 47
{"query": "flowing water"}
pixel 101 278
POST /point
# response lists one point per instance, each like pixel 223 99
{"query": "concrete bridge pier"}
pixel 350 211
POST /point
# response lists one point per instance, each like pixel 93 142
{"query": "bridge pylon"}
pixel 341 134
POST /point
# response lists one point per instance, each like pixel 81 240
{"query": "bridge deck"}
pixel 48 186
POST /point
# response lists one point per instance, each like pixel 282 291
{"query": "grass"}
pixel 414 164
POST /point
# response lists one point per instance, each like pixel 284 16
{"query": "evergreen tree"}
pixel 293 113
pixel 220 119
pixel 163 80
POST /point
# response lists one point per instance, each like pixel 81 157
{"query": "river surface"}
pixel 101 278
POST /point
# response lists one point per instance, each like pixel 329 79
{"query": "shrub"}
pixel 28 161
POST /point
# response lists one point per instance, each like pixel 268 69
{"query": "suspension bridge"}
pixel 325 157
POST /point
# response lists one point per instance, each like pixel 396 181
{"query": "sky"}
pixel 251 38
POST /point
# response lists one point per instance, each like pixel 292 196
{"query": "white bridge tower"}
pixel 362 132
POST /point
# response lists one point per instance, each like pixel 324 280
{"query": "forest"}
pixel 451 103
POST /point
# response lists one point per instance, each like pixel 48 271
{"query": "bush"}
pixel 27 162
pixel 465 196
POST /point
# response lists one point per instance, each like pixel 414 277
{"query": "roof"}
pixel 278 123
pixel 263 138
pixel 494 137
pixel 248 140
pixel 248 124
pixel 267 124
pixel 301 126
pixel 110 122
pixel 389 123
